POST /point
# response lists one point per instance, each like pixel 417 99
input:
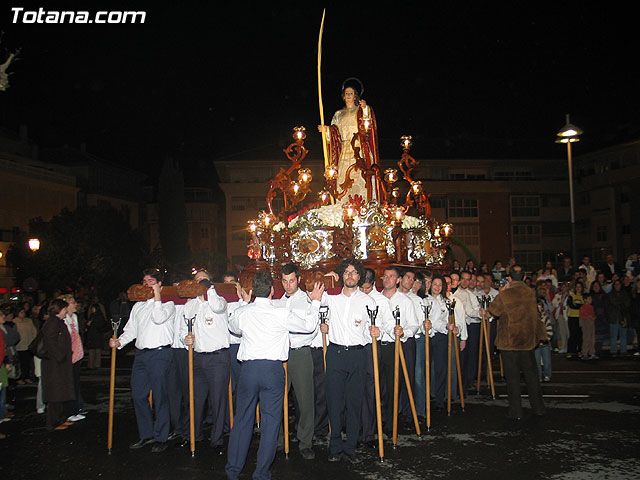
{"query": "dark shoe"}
pixel 141 443
pixel 184 443
pixel 173 436
pixel 371 444
pixel 335 457
pixel 159 447
pixel 351 458
pixel 307 454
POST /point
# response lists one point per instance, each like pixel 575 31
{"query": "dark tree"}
pixel 88 247
pixel 172 215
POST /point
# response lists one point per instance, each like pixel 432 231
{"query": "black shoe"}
pixel 184 443
pixel 351 458
pixel 173 436
pixel 307 454
pixel 141 443
pixel 159 447
pixel 335 457
pixel 371 444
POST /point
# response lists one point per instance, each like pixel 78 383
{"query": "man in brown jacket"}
pixel 519 332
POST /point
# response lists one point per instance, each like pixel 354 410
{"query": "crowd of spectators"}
pixel 589 308
pixel 68 333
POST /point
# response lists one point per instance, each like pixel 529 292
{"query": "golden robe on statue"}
pixel 345 123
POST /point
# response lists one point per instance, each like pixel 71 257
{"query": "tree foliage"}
pixel 87 247
pixel 172 215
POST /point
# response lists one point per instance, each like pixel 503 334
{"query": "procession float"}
pixel 379 216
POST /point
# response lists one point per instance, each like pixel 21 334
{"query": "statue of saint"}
pixel 355 118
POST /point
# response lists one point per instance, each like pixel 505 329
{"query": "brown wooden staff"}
pixel 396 379
pixel 192 433
pixel 489 366
pixel 427 367
pixel 376 383
pixel 230 405
pixel 112 386
pixel 285 407
pixel 324 312
pixel 412 402
pixel 453 339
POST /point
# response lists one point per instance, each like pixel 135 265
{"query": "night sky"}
pixel 200 81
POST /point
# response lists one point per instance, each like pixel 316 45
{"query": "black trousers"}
pixel 344 386
pixel 321 417
pixel 470 355
pixel 516 362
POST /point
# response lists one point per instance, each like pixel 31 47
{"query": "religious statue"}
pixel 353 144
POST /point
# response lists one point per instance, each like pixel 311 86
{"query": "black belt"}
pixel 154 348
pixel 316 348
pixel 215 352
pixel 387 343
pixel 300 348
pixel 348 347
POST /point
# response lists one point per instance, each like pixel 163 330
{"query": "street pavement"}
pixel 591 431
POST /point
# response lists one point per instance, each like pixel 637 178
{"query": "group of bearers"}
pixel 319 343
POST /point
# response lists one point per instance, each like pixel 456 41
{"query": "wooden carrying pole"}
pixel 427 368
pixel 112 387
pixel 376 383
pixel 192 434
pixel 412 402
pixel 285 407
pixel 459 370
pixel 396 380
pixel 230 404
pixel 489 366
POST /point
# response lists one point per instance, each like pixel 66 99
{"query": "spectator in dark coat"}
pixel 57 371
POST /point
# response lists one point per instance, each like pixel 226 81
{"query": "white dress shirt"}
pixel 439 317
pixel 348 318
pixel 178 321
pixel 384 321
pixel 211 322
pixel 408 317
pixel 299 302
pixel 150 324
pixel 470 304
pixel 265 329
pixel 417 305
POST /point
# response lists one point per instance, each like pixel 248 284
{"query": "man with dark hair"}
pixel 409 325
pixel 519 332
pixel 151 325
pixel 229 277
pixel 349 331
pixel 300 363
pixel 264 346
pixel 211 364
pixel 384 320
pixel 464 294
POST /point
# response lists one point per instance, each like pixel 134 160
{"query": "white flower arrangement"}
pixel 409 222
pixel 278 227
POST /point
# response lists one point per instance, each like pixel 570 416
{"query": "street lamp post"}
pixel 570 134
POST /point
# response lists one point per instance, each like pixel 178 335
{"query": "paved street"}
pixel 591 431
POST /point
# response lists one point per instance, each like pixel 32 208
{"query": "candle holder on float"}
pixel 293 190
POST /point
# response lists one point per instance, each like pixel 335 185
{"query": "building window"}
pixel 601 233
pixel 463 208
pixel 626 229
pixel 512 175
pixel 469 234
pixel 526 234
pixel 525 206
pixel 204 232
pixel 438 202
pixel 239 234
pixel 531 260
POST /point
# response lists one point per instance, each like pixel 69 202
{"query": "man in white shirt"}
pixel 409 325
pixel 407 280
pixel 264 346
pixel 469 357
pixel 151 326
pixel 384 320
pixel 300 363
pixel 211 366
pixel 349 331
